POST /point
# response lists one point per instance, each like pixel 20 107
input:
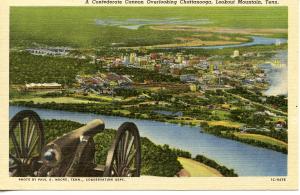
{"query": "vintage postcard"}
pixel 149 95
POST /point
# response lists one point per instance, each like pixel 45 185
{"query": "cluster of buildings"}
pixel 160 62
pixel 103 83
pixel 200 70
pixel 236 53
pixel 50 51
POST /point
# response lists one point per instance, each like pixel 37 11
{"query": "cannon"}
pixel 72 154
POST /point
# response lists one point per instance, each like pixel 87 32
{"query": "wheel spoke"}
pixel 130 144
pixel 28 127
pixel 16 145
pixel 126 146
pixel 118 154
pixel 130 158
pixel 115 169
pixel 35 143
pixel 121 151
pixel 22 139
pixel 31 135
pixel 132 171
pixel 116 158
pixel 122 148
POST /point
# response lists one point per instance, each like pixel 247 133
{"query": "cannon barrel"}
pixel 61 148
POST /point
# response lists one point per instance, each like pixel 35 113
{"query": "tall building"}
pixel 125 60
pixel 179 58
pixel 236 53
pixel 132 58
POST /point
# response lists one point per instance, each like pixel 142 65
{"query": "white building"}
pixel 43 87
pixel 236 53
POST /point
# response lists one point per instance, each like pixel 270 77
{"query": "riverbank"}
pixel 85 106
pixel 89 108
pixel 248 138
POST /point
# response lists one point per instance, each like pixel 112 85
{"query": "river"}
pixel 245 159
pixel 256 40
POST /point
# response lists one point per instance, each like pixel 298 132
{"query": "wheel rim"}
pixel 124 157
pixel 26 140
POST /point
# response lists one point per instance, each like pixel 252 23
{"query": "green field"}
pixel 76 26
pixel 59 100
pixel 262 138
pixel 223 115
pixel 225 123
pixel 197 169
pixel 97 98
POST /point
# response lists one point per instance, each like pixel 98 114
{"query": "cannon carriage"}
pixel 72 154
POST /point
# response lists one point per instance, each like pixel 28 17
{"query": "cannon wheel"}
pixel 26 140
pixel 124 156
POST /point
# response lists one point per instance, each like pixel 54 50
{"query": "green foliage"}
pixel 140 75
pixel 215 97
pixel 241 115
pixel 246 94
pixel 279 101
pixel 161 96
pixel 96 108
pixel 222 169
pixel 103 142
pixel 126 92
pixel 280 135
pixel 182 153
pixel 56 128
pixel 218 129
pixel 25 67
pixel 228 132
pixel 53 94
pixel 204 125
pixel 252 118
pixel 158 160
